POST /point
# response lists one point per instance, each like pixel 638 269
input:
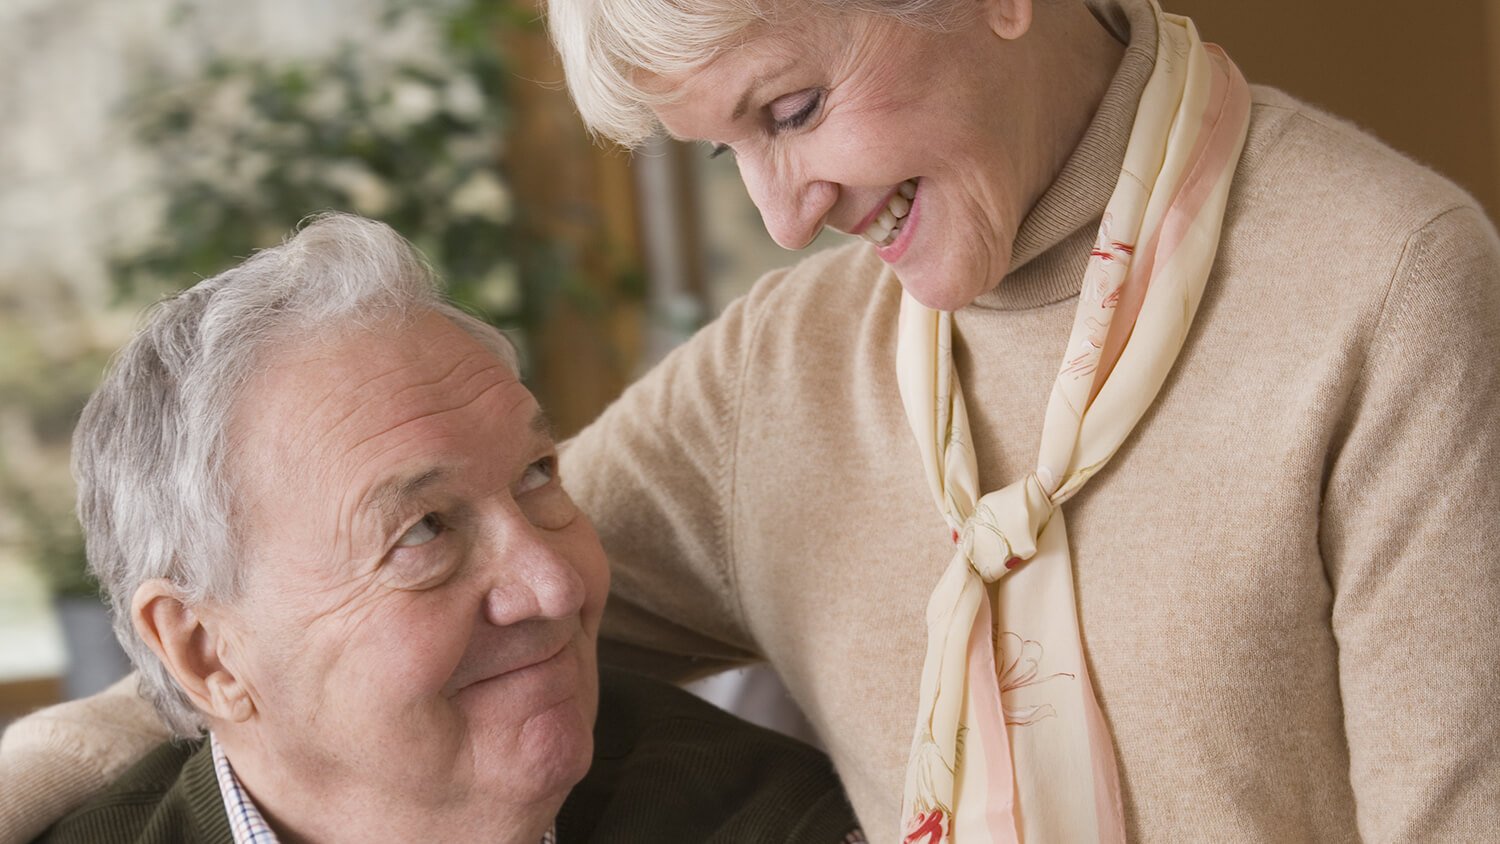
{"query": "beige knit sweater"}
pixel 1288 576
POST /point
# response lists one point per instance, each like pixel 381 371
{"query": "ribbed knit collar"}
pixel 1039 274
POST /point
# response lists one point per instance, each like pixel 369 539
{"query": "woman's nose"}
pixel 532 579
pixel 793 208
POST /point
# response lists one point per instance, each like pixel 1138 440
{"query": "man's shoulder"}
pixel 170 795
pixel 669 766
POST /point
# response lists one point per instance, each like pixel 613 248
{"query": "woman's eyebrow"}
pixel 744 102
pixel 760 81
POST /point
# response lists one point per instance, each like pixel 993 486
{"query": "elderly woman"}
pixel 1135 477
pixel 329 518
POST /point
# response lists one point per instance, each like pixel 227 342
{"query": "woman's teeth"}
pixel 887 225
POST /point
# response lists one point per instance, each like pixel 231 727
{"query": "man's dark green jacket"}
pixel 667 768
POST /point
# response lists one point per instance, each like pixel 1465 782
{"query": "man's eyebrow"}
pixel 388 497
pixel 541 425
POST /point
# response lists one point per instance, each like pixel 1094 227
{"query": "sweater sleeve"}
pixel 656 474
pixel 54 760
pixel 1411 540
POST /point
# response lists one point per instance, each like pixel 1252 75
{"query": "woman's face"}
pixel 926 143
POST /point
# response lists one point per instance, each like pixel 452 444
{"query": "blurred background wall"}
pixel 1425 78
pixel 151 143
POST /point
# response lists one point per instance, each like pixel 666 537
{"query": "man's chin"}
pixel 538 723
pixel 552 752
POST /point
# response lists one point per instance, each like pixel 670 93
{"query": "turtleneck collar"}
pixel 1077 197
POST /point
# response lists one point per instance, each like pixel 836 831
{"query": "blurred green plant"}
pixel 251 145
pixel 248 145
pixel 45 377
pixel 51 539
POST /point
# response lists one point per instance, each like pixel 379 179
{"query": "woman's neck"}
pixel 1076 61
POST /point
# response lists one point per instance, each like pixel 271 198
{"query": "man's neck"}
pixel 338 806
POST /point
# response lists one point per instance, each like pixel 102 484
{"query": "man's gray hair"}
pixel 606 45
pixel 150 452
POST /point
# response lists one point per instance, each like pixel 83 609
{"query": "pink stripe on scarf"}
pixel 987 727
pixel 1229 97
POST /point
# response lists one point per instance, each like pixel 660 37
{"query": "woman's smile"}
pixel 898 237
pixel 884 220
pixel 840 114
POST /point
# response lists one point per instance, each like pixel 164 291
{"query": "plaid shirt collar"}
pixel 245 821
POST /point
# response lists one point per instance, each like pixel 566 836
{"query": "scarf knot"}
pixel 1002 531
pixel 1010 744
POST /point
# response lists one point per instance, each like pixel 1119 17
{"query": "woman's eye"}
pixel 421 533
pixel 538 474
pixel 794 110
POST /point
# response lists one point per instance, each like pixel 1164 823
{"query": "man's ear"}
pixel 1009 19
pixel 192 651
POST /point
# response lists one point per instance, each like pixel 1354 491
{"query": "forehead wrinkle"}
pixel 458 364
pixel 431 414
pixel 357 409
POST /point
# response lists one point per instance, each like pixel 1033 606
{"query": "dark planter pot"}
pixel 95 658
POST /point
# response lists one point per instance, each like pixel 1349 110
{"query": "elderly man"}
pixel 329 518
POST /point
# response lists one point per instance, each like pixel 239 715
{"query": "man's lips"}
pixel 874 212
pixel 534 660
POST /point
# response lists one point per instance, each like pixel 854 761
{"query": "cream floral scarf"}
pixel 1010 743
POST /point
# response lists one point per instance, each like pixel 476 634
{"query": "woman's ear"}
pixel 1009 19
pixel 192 651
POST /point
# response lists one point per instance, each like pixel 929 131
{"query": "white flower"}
pixel 500 291
pixel 482 195
pixel 411 103
pixel 462 98
pixel 369 193
pixel 328 100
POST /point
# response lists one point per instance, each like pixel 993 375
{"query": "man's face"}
pixel 421 598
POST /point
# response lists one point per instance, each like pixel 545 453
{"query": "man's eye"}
pixel 538 474
pixel 794 110
pixel 422 532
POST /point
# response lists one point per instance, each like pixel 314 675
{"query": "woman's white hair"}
pixel 608 45
pixel 155 494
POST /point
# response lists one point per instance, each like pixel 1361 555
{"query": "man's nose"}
pixel 531 579
pixel 793 207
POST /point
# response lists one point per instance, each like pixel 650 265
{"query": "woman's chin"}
pixel 949 285
pixel 940 297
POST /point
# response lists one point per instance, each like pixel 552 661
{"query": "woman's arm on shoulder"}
pixel 1411 539
pixel 655 472
pixel 55 759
